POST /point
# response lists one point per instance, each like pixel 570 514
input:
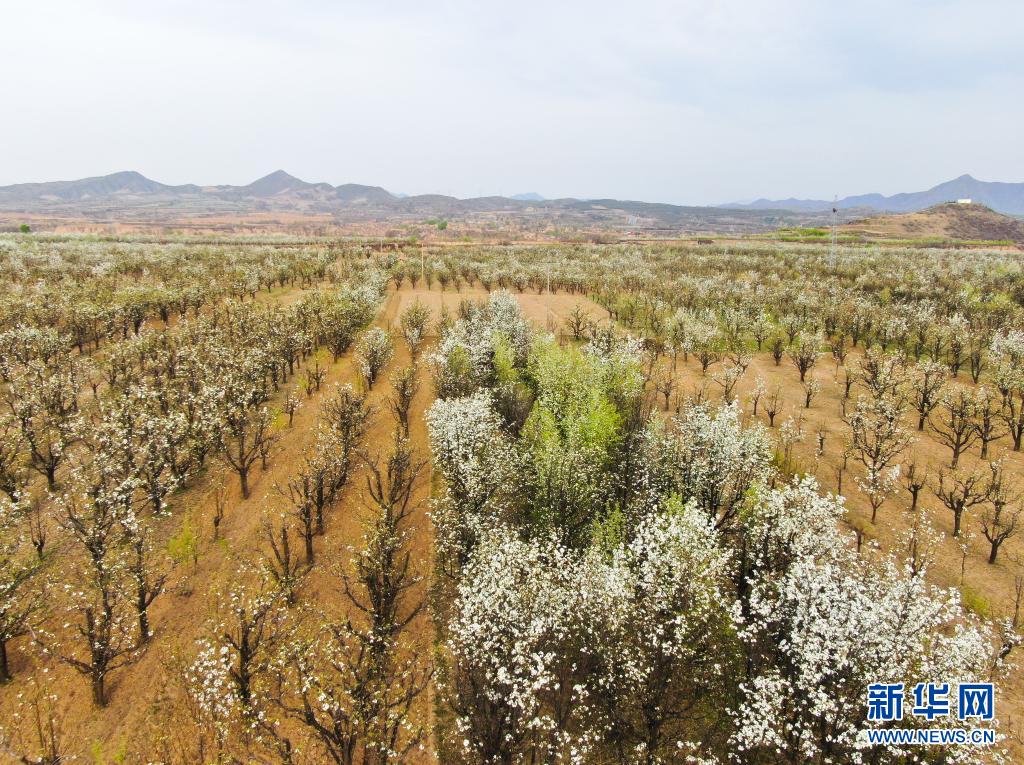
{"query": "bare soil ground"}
pixel 142 694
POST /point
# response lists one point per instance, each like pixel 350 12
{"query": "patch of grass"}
pixel 975 602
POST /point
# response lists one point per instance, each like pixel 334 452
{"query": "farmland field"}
pixel 282 502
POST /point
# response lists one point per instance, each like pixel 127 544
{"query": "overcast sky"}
pixel 686 102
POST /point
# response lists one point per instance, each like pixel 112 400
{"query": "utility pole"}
pixel 835 222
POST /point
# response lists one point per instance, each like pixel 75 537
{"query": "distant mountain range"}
pixel 130 183
pixel 129 197
pixel 1006 198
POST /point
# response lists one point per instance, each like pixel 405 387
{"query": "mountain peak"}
pixel 275 183
pixel 278 175
pixel 127 175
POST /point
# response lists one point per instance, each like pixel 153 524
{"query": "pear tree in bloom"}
pixel 97 635
pixel 819 623
pixel 465 357
pixel 711 459
pixel 374 350
pixel 20 597
pixel 1008 358
pixel 804 352
pixel 877 438
pixel 831 625
pixel 414 322
pixel 481 468
pixel 44 402
pixel 663 632
pixel 517 602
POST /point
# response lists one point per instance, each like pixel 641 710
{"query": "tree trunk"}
pixel 144 633
pixel 5 670
pixel 99 693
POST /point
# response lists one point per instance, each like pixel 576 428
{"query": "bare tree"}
pixel 664 385
pixel 773 405
pixel 915 478
pixel 41 738
pixel 990 426
pixel 884 375
pixel 848 380
pixel 405 385
pixel 839 348
pixel 804 352
pixel 999 520
pixel 314 378
pixel 955 424
pixel 959 492
pixel 283 567
pixel 577 321
pixel 926 389
pixel 247 437
pixel 727 378
pixel 355 693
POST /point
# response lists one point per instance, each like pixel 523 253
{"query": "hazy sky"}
pixel 687 102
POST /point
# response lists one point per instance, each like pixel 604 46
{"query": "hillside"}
pixel 1003 197
pixel 950 221
pixel 131 198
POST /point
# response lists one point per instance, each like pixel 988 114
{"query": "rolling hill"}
pixel 130 197
pixel 1002 197
pixel 949 221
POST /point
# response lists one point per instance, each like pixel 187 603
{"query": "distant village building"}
pixel 963 201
